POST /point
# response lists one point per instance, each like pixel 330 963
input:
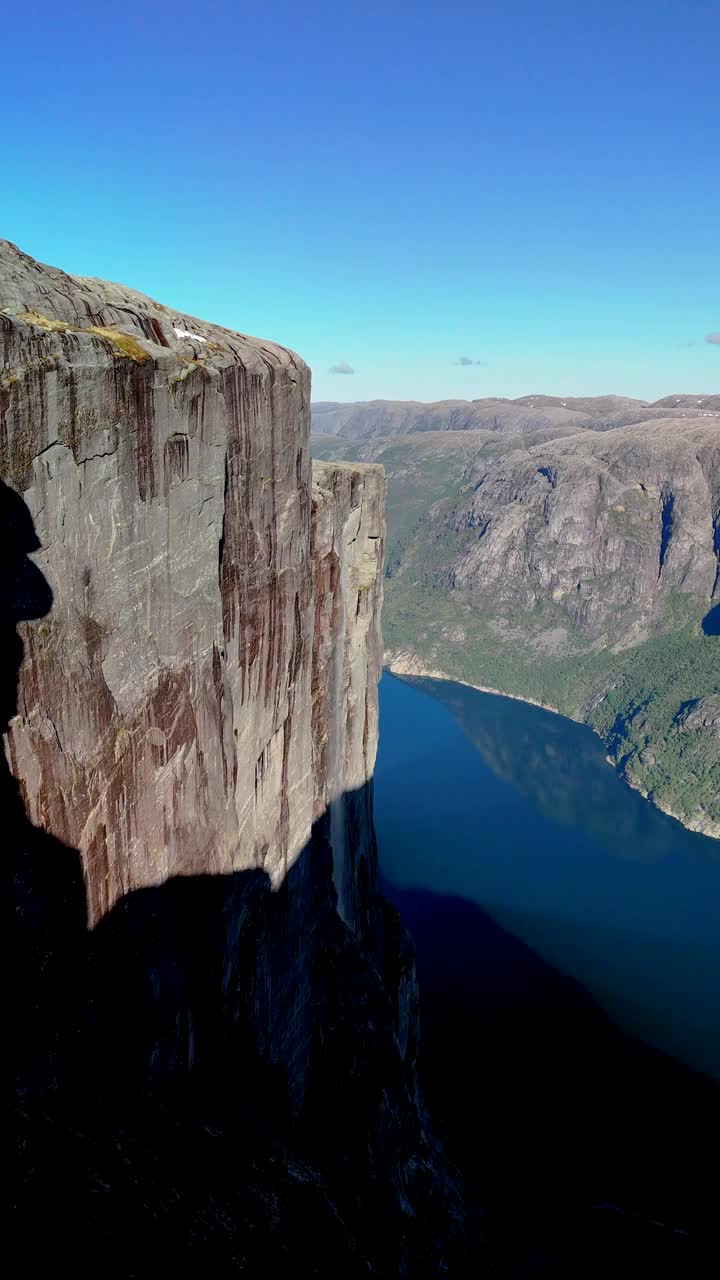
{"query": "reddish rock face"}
pixel 191 648
pixel 203 683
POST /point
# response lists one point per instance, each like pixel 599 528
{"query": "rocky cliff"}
pixel 166 700
pixel 190 658
pixel 606 526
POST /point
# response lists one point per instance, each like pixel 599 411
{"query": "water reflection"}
pixel 518 811
pixel 562 769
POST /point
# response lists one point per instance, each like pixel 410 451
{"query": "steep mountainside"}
pixel 190 653
pixel 582 572
pixel 607 526
pixel 423 468
pixel 371 418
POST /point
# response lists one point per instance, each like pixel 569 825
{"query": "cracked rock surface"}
pixel 193 618
pixel 166 700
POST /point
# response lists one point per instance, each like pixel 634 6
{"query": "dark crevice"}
pixel 716 549
pixel 667 517
pixel 711 621
pixel 221 543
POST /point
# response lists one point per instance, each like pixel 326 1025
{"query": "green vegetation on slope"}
pixel 644 719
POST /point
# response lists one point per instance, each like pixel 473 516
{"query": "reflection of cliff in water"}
pixel 561 768
pixel 632 918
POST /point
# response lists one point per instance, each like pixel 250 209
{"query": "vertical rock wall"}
pixel 190 651
pixel 348 531
pixel 175 712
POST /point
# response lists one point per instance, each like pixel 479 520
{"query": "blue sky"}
pixel 391 186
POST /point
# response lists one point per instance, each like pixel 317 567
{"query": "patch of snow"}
pixel 185 333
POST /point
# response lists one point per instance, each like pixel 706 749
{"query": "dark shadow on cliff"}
pixel 47 886
pixel 211 1078
pixel 224 1088
pixel 231 1096
pixel 587 1146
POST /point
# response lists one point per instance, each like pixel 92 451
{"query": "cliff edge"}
pixel 190 658
pixel 165 709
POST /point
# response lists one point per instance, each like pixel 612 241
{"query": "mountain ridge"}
pixel 365 419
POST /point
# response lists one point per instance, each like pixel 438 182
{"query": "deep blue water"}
pixel 517 811
pixel 711 622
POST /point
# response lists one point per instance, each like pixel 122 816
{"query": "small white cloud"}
pixel 466 361
pixel 341 367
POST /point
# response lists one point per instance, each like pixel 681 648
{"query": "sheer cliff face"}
pixel 583 539
pixel 204 683
pixel 348 525
pixel 190 644
pixel 607 527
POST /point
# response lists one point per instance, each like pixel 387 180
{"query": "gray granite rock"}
pixel 195 723
pixel 607 526
pixel 165 713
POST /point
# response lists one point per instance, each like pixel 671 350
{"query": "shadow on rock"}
pixel 212 1076
pixel 583 1142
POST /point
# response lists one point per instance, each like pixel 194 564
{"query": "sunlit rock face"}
pixel 204 683
pixel 608 526
pixel 348 529
pixel 190 650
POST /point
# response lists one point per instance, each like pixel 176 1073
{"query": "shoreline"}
pixel 404 662
pixel 412 664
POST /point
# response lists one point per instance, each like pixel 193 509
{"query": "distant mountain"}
pixel 363 420
pixel 702 403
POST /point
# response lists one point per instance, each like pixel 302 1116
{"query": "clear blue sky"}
pixel 394 186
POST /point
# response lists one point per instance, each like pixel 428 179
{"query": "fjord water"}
pixel 516 811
